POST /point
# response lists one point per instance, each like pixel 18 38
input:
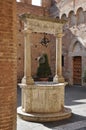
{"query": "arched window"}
pixel 37 2
pixel 84 16
pixel 77 47
pixel 72 18
pixel 80 16
pixel 64 17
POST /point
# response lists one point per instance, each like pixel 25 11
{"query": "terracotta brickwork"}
pixel 46 3
pixel 36 10
pixel 8 65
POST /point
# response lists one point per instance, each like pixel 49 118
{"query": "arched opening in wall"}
pixel 64 17
pixel 76 47
pixel 84 16
pixel 37 2
pixel 72 18
pixel 77 70
pixel 80 16
pixel 57 17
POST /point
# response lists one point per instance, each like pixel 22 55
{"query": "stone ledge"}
pixel 41 117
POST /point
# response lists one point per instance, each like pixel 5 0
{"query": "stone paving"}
pixel 75 98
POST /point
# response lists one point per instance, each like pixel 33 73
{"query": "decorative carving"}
pixel 42 24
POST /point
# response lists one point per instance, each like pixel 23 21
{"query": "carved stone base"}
pixel 58 79
pixel 43 101
pixel 61 79
pixel 55 79
pixel 44 117
pixel 29 80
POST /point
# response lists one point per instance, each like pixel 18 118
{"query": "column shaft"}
pixel 27 59
pixel 59 65
pixel 56 68
pixel 58 77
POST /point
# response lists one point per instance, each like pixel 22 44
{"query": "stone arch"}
pixel 72 18
pixel 64 17
pixel 75 51
pixel 80 15
pixel 76 47
pixel 84 16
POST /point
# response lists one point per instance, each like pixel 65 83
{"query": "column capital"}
pixel 27 31
pixel 59 35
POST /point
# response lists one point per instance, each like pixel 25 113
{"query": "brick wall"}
pixel 35 10
pixel 46 3
pixel 7 65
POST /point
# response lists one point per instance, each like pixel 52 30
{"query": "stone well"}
pixel 42 101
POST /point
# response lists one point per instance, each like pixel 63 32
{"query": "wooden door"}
pixel 77 70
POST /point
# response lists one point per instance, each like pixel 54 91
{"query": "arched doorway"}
pixel 77 70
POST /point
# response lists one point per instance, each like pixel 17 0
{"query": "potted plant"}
pixel 43 70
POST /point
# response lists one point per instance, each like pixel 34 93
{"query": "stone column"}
pixel 27 59
pixel 58 77
pixel 55 79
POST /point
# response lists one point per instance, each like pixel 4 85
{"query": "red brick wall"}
pixel 27 1
pixel 35 10
pixel 46 3
pixel 7 65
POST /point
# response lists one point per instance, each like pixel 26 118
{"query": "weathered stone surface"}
pixel 43 102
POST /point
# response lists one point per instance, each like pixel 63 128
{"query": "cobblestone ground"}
pixel 75 98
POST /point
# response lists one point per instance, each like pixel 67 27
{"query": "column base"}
pixel 61 79
pixel 28 80
pixel 58 79
pixel 55 79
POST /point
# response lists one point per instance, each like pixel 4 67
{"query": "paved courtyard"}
pixel 75 98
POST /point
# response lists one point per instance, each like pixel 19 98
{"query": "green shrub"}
pixel 43 69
